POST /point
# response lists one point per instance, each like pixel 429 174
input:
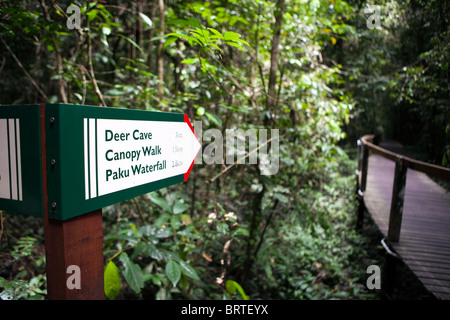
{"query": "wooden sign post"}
pixel 66 162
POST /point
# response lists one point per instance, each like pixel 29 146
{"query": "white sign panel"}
pixel 122 154
pixel 10 160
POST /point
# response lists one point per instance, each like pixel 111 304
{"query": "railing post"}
pixel 365 162
pixel 398 195
pixel 389 270
pixel 395 223
pixel 359 193
pixel 359 144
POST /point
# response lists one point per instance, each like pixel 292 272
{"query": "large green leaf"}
pixel 183 36
pixel 180 207
pixel 169 41
pixel 132 42
pixel 188 270
pixel 232 286
pixel 160 202
pixel 132 273
pixel 217 33
pixel 112 280
pixel 173 271
pixel 149 250
pixel 231 36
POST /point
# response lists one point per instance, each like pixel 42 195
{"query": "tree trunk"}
pixel 271 92
pixel 150 50
pixel 160 50
pixel 59 59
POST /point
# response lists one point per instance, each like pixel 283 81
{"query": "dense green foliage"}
pixel 311 69
pixel 399 74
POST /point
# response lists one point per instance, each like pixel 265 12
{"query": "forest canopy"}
pixel 322 72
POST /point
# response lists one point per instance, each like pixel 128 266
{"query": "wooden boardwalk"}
pixel 425 229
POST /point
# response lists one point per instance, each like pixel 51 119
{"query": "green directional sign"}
pixel 104 155
pixel 20 160
pixel 96 156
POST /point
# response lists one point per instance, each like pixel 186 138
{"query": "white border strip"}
pixel 12 159
pixel 4 161
pixel 90 158
pixel 19 160
pixel 86 160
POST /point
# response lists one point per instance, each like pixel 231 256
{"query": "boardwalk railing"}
pixel 402 163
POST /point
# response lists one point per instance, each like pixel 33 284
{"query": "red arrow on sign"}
pixel 186 120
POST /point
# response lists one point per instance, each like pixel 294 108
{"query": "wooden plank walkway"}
pixel 425 233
